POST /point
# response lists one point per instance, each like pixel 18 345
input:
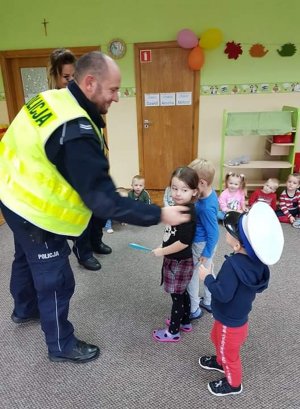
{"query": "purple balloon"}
pixel 187 39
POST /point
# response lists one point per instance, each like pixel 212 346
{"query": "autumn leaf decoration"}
pixel 233 49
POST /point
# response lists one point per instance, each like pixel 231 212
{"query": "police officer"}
pixel 53 176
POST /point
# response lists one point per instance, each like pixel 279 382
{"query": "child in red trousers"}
pixel 243 274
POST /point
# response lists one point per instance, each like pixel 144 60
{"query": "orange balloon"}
pixel 196 58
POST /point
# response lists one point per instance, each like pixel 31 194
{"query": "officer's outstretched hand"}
pixel 174 215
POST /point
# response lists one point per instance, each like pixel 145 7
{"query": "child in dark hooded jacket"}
pixel 241 277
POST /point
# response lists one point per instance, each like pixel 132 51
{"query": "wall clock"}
pixel 116 48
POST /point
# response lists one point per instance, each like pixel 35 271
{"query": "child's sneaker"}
pixel 207 307
pixel 163 335
pixel 222 388
pixel 210 362
pixel 296 223
pixel 186 327
pixel 183 327
pixel 108 226
pixel 196 315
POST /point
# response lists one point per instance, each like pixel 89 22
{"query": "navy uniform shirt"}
pixel 76 151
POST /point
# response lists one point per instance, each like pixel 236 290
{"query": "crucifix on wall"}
pixel 45 22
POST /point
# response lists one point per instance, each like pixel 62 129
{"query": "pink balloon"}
pixel 187 39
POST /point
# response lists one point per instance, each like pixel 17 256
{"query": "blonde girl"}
pixel 234 194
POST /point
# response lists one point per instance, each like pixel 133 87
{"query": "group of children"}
pixel 187 252
pixel 234 197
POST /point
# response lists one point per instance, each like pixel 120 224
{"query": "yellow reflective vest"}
pixel 30 184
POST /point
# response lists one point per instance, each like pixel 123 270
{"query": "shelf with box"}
pixel 266 141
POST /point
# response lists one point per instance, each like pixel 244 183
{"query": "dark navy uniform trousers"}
pixel 89 239
pixel 42 281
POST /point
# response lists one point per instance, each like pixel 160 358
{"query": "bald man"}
pixel 53 177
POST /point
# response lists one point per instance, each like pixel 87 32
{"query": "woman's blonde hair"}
pixel 58 58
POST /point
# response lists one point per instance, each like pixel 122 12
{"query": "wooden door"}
pixel 168 132
pixel 21 65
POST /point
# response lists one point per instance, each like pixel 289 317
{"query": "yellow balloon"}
pixel 211 38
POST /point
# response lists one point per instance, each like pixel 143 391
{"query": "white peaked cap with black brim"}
pixel 259 232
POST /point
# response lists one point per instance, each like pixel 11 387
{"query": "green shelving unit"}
pixel 270 159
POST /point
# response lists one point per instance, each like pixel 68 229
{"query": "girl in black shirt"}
pixel 177 268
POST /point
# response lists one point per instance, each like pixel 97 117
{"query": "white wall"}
pixel 123 140
pixel 3 113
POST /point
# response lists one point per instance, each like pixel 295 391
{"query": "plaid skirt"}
pixel 176 274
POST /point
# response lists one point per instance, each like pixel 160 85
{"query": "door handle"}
pixel 147 123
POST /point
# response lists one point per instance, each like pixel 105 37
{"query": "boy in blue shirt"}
pixel 206 236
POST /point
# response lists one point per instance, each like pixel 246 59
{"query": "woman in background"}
pixel 61 68
pixel 60 73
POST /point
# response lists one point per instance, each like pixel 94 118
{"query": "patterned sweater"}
pixel 288 203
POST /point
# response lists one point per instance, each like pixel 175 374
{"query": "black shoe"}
pixel 90 264
pixel 101 248
pixel 223 388
pixel 196 315
pixel 18 320
pixel 210 362
pixel 81 353
pixel 207 307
